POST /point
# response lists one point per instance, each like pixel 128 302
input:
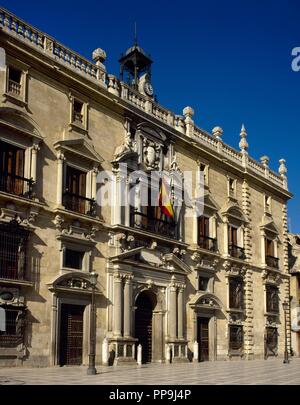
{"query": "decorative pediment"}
pixel 269 225
pixel 206 300
pixel 232 210
pixel 21 122
pixel 80 147
pixel 209 202
pixel 73 282
pixel 153 258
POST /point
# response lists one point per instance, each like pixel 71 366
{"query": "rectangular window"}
pixel 75 191
pixel 269 247
pixel 14 328
pixel 236 293
pixel 232 187
pixel 73 259
pixel 12 170
pixel 272 299
pixel 204 240
pixel 14 81
pixel 203 283
pixel 268 200
pixel 236 338
pixel 204 169
pixel 271 340
pixel 77 112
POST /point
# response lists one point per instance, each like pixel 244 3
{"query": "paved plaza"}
pixel 227 372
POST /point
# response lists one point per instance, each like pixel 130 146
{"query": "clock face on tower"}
pixel 148 89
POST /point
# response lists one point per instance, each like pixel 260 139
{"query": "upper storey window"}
pixel 205 241
pixel 235 242
pixel 78 112
pixel 78 115
pixel 12 165
pixel 14 81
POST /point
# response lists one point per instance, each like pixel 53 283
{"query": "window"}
pixel 236 338
pixel 74 198
pixel 14 81
pixel 268 201
pixel 203 283
pixel 235 293
pixel 12 171
pixel 12 336
pixel 232 187
pixel 77 112
pixel 73 259
pixel 204 169
pixel 272 299
pixel 271 340
pixel 13 251
pixel 271 260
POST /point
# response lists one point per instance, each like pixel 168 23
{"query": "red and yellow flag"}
pixel 165 202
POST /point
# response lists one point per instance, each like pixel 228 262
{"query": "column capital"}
pixel 60 156
pixel 35 147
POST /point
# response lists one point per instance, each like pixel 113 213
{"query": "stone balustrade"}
pixel 14 26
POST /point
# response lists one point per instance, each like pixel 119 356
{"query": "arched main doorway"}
pixel 145 304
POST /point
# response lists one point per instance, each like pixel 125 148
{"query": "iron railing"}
pixel 78 203
pixel 207 243
pixel 272 261
pixel 162 227
pixel 13 251
pixel 13 335
pixel 237 251
pixel 17 185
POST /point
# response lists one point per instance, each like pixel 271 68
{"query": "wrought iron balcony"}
pixel 13 251
pixel 237 252
pixel 143 221
pixel 80 204
pixel 272 261
pixel 17 185
pixel 207 243
pixel 14 88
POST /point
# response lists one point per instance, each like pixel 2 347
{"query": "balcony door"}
pixel 12 169
pixel 203 232
pixel 75 190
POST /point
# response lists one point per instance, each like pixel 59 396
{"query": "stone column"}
pixel 34 150
pixel 117 305
pixel 263 247
pixel 226 240
pixel 180 312
pixel 94 183
pixel 173 311
pixel 60 175
pixel 127 306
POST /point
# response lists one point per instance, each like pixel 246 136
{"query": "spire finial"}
pixel 135 34
pixel 243 143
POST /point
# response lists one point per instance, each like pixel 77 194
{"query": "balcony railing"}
pixel 14 87
pixel 272 261
pixel 17 185
pixel 159 226
pixel 237 252
pixel 13 251
pixel 207 243
pixel 80 204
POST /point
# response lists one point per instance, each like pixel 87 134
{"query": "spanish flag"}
pixel 165 202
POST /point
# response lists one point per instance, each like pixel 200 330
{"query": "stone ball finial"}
pixel 188 112
pixel 217 132
pixel 265 160
pixel 282 168
pixel 99 55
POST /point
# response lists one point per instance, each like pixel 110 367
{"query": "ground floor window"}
pixel 236 339
pixel 11 326
pixel 271 340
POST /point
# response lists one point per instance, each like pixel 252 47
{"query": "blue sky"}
pixel 230 60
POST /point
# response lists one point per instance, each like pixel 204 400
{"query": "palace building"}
pixel 186 288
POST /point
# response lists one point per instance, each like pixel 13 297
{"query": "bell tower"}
pixel 135 69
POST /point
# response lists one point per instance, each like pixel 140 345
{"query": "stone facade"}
pixel 197 289
pixel 294 258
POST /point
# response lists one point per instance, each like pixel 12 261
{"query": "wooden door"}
pixel 203 339
pixel 71 335
pixel 143 326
